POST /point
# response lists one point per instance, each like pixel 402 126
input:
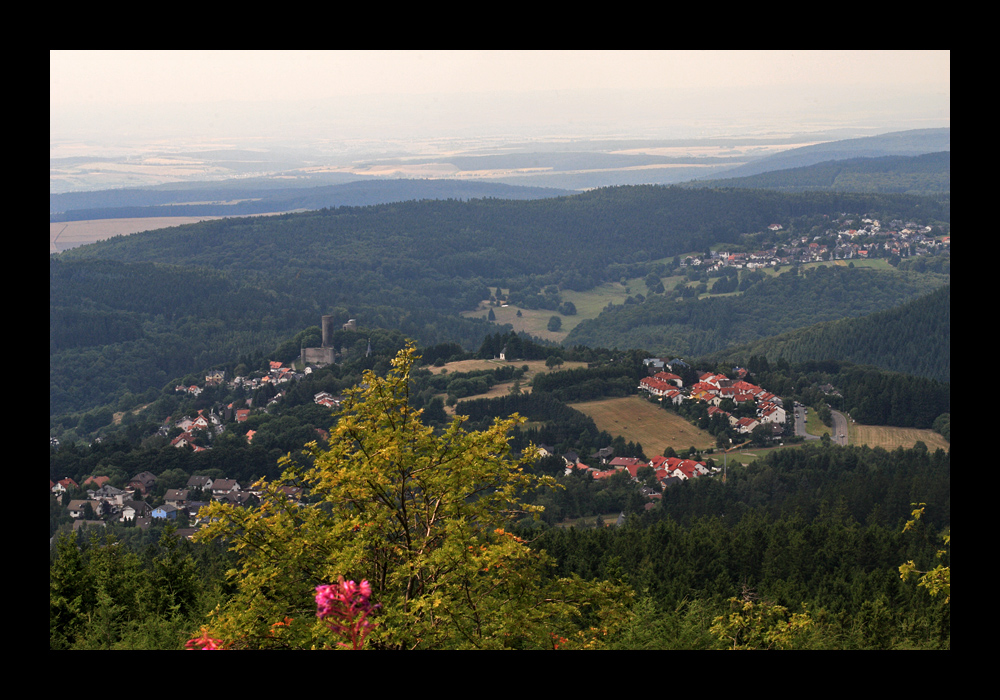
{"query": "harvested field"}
pixel 534 367
pixel 890 438
pixel 70 234
pixel 638 420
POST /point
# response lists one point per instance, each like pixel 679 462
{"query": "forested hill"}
pixel 928 174
pixel 578 236
pixel 770 307
pixel 411 266
pixel 899 143
pixel 914 338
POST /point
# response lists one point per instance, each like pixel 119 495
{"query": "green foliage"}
pixel 938 579
pixel 104 594
pixel 755 624
pixel 421 516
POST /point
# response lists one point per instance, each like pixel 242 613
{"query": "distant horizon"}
pixel 351 105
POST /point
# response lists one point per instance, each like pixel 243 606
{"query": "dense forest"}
pixel 688 326
pixel 913 338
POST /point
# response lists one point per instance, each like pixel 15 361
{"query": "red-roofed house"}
pixel 64 485
pixel 625 462
pixel 669 377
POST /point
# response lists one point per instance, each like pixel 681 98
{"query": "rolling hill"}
pixel 900 143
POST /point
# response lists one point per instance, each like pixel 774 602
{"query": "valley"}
pixel 651 338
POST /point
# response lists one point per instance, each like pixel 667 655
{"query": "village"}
pixel 868 240
pixel 130 504
pixel 711 388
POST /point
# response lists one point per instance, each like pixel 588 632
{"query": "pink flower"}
pixel 204 642
pixel 345 605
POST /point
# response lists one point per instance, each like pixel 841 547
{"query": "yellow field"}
pixel 637 420
pixel 534 367
pixel 890 438
pixel 70 234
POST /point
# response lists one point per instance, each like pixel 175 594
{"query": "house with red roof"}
pixel 63 485
pixel 671 378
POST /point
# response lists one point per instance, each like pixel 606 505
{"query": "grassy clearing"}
pixel 638 420
pixel 502 389
pixel 590 521
pixel 535 322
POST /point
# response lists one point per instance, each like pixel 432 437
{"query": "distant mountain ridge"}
pixel 928 174
pixel 899 143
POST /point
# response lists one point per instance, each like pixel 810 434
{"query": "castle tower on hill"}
pixel 326 354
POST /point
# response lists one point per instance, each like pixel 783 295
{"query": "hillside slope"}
pixel 928 174
pixel 913 338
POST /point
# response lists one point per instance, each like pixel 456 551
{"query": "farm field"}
pixel 70 234
pixel 890 438
pixel 502 389
pixel 637 420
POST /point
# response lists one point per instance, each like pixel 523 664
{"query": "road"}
pixel 839 428
pixel 800 423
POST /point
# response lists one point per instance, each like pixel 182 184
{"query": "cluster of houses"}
pixel 713 389
pixel 213 421
pixel 666 470
pixel 869 239
pixel 108 502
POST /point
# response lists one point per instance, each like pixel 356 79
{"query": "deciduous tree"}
pixel 422 516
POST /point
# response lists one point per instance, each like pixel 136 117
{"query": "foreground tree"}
pixel 421 516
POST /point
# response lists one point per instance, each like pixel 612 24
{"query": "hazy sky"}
pixel 193 93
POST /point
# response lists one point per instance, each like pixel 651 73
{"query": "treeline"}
pixel 126 588
pixel 913 338
pixel 244 200
pixel 872 396
pixel 814 526
pixel 424 241
pixel 619 379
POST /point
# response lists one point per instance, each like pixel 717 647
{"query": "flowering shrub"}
pixel 344 606
pixel 204 642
